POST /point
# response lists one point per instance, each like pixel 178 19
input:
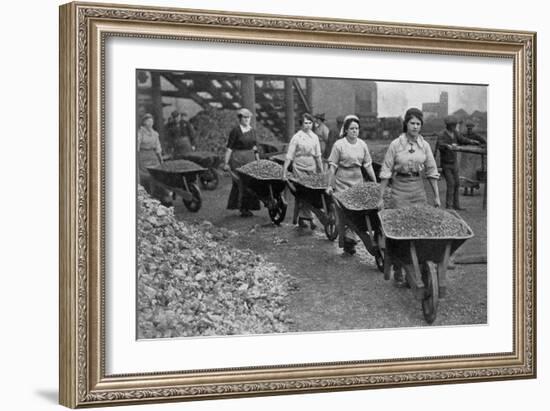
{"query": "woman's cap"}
pixel 146 116
pixel 244 112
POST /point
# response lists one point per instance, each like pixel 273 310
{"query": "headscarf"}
pixel 353 116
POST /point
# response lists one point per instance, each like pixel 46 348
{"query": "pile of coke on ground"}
pixel 192 282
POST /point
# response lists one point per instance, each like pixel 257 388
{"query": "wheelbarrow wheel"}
pixel 195 203
pixel 431 293
pixel 277 211
pixel 331 230
pixel 209 179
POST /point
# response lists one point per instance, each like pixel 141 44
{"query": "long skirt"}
pixel 239 197
pixel 346 178
pixel 407 191
pixel 302 167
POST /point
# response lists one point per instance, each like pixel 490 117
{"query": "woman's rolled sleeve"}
pixel 317 149
pixel 387 166
pixel 334 158
pixel 367 159
pixel 291 150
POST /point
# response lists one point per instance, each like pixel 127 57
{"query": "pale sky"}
pixel 395 98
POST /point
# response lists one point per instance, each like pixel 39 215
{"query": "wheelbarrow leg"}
pixel 369 229
pixel 324 202
pixel 185 183
pixel 414 274
pixel 327 217
pixel 271 196
pixel 387 265
pixel 442 271
pixel 341 226
pixel 375 247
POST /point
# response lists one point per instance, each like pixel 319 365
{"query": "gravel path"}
pixel 336 292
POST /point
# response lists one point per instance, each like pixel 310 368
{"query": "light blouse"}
pixel 148 140
pixel 347 155
pixel 303 144
pixel 409 156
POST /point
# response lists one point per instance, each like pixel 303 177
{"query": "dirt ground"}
pixel 338 292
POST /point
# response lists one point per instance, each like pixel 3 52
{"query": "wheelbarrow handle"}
pixel 234 176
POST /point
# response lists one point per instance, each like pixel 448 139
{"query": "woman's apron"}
pixel 248 201
pixel 301 167
pixel 407 191
pixel 345 178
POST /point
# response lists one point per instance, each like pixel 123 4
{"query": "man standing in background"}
pixel 321 130
pixel 472 135
pixel 181 135
pixel 447 140
pixel 334 134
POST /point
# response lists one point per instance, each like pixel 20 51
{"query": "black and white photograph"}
pixel 275 204
pixel 259 202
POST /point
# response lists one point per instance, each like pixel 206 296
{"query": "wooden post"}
pixel 248 93
pixel 156 96
pixel 309 93
pixel 289 107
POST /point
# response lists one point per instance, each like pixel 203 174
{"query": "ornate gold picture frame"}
pixel 86 28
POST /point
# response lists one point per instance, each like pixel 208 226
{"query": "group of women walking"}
pixel 408 159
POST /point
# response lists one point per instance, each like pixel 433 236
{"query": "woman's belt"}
pixel 407 174
pixel 352 166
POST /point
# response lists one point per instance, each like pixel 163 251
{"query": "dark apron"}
pixel 248 201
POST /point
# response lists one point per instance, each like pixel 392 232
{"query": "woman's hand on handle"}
pixel 329 190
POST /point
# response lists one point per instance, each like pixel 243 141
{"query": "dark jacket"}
pixel 444 140
pixel 179 129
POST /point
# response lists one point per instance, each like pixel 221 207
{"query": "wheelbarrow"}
pixel 364 223
pixel 180 177
pixel 210 178
pixel 268 191
pixel 414 254
pixel 316 200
